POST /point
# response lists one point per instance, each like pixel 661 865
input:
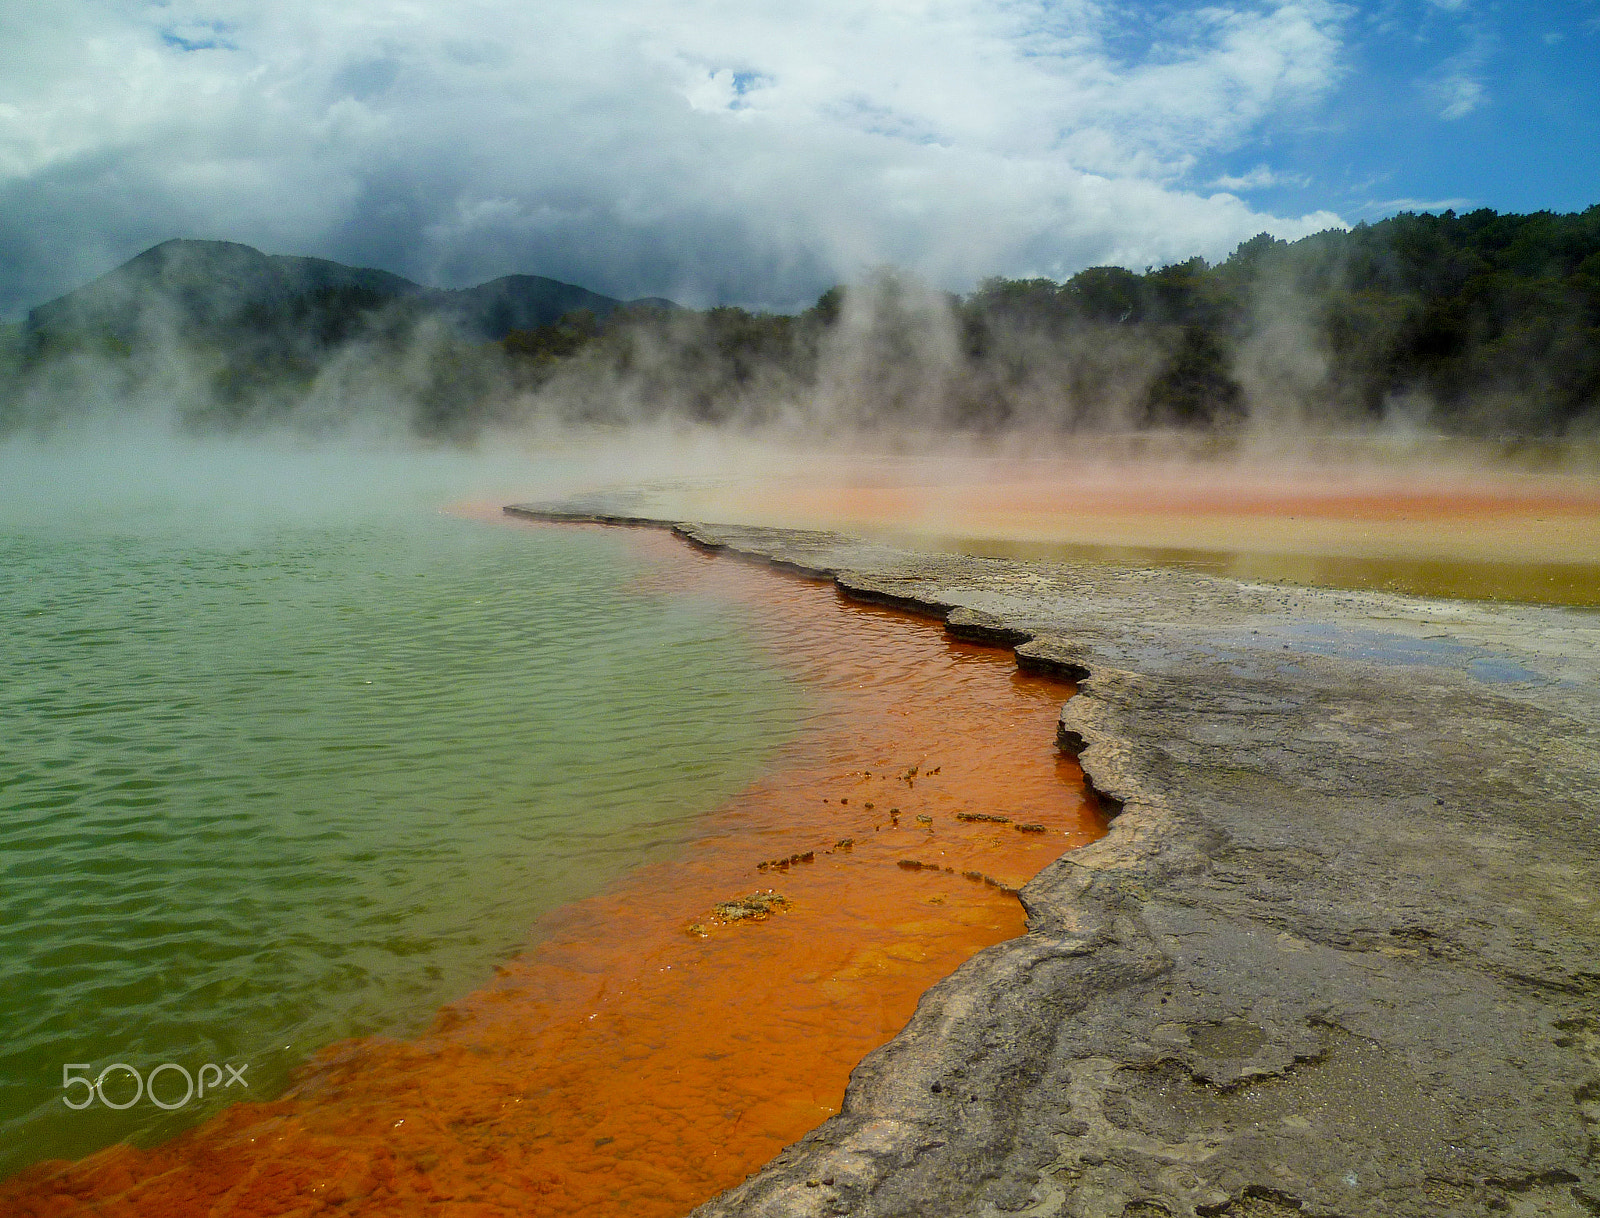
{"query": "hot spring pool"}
pixel 279 767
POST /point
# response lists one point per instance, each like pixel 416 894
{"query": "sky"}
pixel 753 153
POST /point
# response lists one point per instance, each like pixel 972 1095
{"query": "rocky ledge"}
pixel 1339 953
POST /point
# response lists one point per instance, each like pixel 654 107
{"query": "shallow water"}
pixel 1575 583
pixel 1429 524
pixel 286 757
pixel 647 1052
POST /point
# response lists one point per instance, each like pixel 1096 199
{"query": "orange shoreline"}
pixel 1494 527
pixel 644 1054
pixel 1337 503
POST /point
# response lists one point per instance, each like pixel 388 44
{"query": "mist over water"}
pixel 287 755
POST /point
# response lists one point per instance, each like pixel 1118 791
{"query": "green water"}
pixel 1575 584
pixel 287 756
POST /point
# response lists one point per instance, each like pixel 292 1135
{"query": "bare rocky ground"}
pixel 1338 955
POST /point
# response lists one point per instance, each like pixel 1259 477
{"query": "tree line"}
pixel 1477 323
pixel 1474 324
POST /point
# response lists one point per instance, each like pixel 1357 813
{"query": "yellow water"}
pixel 1433 530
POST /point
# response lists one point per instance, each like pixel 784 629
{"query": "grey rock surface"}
pixel 1339 953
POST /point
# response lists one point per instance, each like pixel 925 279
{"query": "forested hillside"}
pixel 1476 324
pixel 1483 321
pixel 1472 324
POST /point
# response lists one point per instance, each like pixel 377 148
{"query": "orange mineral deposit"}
pixel 661 1040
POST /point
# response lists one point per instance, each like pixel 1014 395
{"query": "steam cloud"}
pixel 1373 329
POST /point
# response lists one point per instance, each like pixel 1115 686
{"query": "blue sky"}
pixel 725 150
pixel 1450 105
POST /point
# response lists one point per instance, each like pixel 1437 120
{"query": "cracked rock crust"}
pixel 1337 954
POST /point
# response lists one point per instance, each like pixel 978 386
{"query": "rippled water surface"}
pixel 272 774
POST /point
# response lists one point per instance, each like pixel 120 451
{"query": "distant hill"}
pixel 227 337
pixel 1479 324
pixel 525 302
pixel 208 285
pixel 223 290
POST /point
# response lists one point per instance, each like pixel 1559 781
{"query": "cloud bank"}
pixel 707 150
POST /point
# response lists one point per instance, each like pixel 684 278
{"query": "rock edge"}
pixel 1337 954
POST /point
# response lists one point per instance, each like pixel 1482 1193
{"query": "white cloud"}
pixel 1457 92
pixel 709 148
pixel 1376 208
pixel 1456 87
pixel 1262 177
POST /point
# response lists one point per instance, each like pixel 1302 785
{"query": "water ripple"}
pixel 257 795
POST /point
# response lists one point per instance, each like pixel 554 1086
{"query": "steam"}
pixel 890 364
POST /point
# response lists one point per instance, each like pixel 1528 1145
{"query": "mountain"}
pixel 201 285
pixel 224 291
pixel 525 302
